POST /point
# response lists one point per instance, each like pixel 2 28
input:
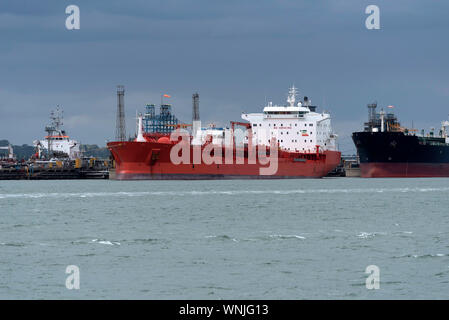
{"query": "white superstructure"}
pixel 445 130
pixel 57 140
pixel 296 126
pixel 10 151
pixel 213 134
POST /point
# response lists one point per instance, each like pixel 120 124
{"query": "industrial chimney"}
pixel 120 129
pixel 372 112
pixel 196 123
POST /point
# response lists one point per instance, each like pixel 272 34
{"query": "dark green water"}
pixel 285 239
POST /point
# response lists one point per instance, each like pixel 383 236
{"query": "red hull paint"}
pixel 151 160
pixel 404 170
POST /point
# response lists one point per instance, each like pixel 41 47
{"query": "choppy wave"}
pixel 286 236
pixel 223 237
pixel 420 256
pixel 214 192
pixel 367 235
pixel 262 238
pixel 107 242
pixel 12 244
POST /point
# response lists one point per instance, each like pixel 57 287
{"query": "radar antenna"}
pixel 292 93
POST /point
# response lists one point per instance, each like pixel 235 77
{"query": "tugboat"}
pixel 57 143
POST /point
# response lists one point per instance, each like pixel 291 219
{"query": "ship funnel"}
pixel 306 101
pixel 308 104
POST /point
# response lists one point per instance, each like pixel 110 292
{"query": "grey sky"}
pixel 236 54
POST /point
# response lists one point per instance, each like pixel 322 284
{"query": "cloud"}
pixel 79 121
pixel 235 53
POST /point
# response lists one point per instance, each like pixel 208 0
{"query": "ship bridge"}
pixel 271 111
pixel 296 126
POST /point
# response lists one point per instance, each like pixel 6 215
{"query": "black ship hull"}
pixel 395 154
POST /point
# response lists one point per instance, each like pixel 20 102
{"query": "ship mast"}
pixel 292 93
pixel 54 126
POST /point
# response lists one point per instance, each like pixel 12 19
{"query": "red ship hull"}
pixel 404 170
pixel 151 161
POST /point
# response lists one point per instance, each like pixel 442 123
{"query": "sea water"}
pixel 236 239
